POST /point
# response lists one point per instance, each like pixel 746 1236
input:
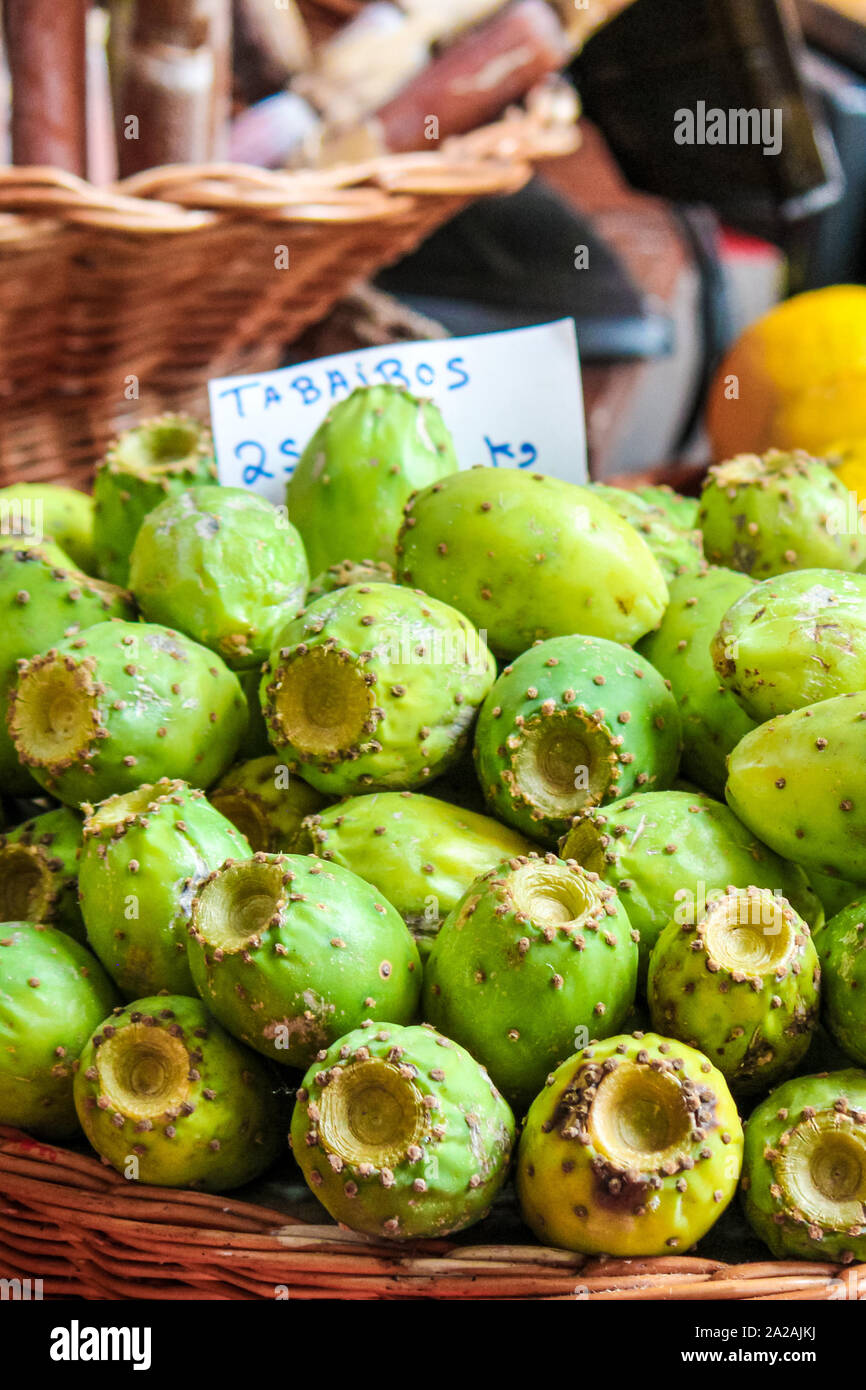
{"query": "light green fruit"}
pixel 712 720
pixel 528 557
pixel 36 511
pixel 121 704
pixel 347 492
pixel 782 511
pixel 573 722
pixel 222 565
pixel 39 864
pixel 678 551
pixel 804 1168
pixel 800 781
pixel 633 1148
pixel 42 600
pixel 146 464
pixel 841 947
pixel 254 742
pixel 683 511
pixel 267 802
pixel 420 852
pixel 669 854
pixel 400 1133
pixel 535 958
pixel 144 854
pixel 741 983
pixel 167 1098
pixel 350 572
pixel 53 992
pixel 793 640
pixel 834 892
pixel 375 687
pixel 289 954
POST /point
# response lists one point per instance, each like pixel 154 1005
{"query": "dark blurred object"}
pixel 529 258
pixel 45 46
pixel 270 43
pixel 836 30
pixel 661 58
pixel 836 249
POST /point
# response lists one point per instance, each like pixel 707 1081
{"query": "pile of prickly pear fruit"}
pixel 440 824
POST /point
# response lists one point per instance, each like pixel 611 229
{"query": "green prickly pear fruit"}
pixel 712 720
pixel 122 704
pixel 289 954
pixel 793 640
pixel 38 510
pixel 39 863
pixel 683 511
pixel 527 557
pixel 144 854
pixel 573 722
pixel 536 958
pixel 804 1168
pixel 834 892
pixel 350 572
pixel 669 854
pixel 268 803
pixel 781 511
pixel 741 983
pixel 633 1148
pixel 42 601
pixel 798 781
pixel 678 550
pixel 841 944
pixel 420 852
pixel 399 1132
pixel 255 742
pixel 169 1099
pixel 52 994
pixel 146 464
pixel 374 686
pixel 347 492
pixel 222 565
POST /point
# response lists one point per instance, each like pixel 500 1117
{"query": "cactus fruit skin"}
pixel 781 511
pixel 793 640
pixel 683 511
pixel 399 1132
pixel 223 566
pixel 161 1083
pixel 374 687
pixel 347 572
pixel 633 1148
pixel 146 464
pixel 834 892
pixel 41 600
pixel 798 780
pixel 420 852
pixel 136 702
pixel 669 853
pixel 677 549
pixel 741 983
pixel 841 944
pixel 268 803
pixel 804 1168
pixel 573 722
pixel 144 854
pixel 289 954
pixel 50 509
pixel 53 993
pixel 39 863
pixel 527 557
pixel 348 489
pixel 535 955
pixel 254 742
pixel 712 719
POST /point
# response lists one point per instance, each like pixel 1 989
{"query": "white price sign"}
pixel 510 400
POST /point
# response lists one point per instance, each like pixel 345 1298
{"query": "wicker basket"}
pixel 118 302
pixel 83 1230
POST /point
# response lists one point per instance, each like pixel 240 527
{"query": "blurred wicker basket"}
pixel 116 302
pixel 84 1231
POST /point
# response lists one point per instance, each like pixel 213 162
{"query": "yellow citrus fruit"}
pixel 795 379
pixel 847 458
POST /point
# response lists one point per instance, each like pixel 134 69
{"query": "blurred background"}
pixel 709 160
